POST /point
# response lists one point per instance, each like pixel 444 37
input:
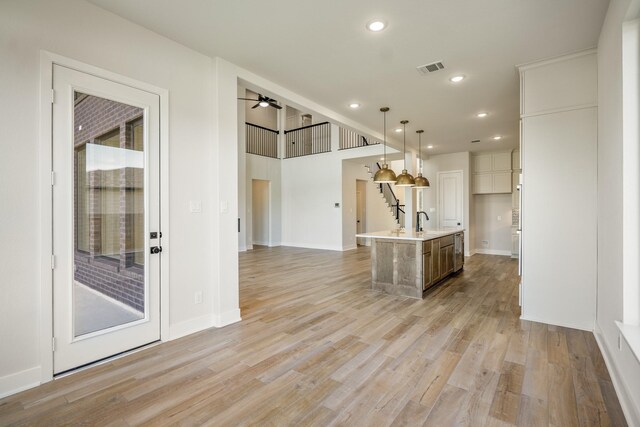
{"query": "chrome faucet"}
pixel 418 228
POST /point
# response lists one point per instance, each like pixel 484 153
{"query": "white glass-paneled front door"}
pixel 106 209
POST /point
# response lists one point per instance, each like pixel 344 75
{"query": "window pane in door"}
pixel 109 214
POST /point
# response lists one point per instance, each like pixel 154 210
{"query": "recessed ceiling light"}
pixel 497 138
pixel 398 130
pixel 457 79
pixel 481 115
pixel 376 25
pixel 429 147
pixel 354 105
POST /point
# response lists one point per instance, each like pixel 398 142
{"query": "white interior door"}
pixel 106 282
pixel 450 199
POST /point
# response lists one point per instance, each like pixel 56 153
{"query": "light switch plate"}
pixel 224 206
pixel 195 206
pixel 431 210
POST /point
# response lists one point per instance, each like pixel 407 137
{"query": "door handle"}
pixel 156 249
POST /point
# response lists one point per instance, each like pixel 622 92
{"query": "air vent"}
pixel 475 140
pixel 430 68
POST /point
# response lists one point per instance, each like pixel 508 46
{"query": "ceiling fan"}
pixel 263 101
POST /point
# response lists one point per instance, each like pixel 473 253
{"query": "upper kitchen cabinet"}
pixel 492 173
pixel 559 84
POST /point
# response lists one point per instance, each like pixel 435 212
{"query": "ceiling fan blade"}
pixel 249 99
pixel 255 106
pixel 274 105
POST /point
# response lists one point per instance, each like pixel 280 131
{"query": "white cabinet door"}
pixel 482 163
pixel 482 183
pixel 501 182
pixel 501 162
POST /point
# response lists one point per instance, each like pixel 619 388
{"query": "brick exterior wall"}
pixel 117 276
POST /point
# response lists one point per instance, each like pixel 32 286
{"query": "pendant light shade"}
pixel 421 181
pixel 385 175
pixel 405 179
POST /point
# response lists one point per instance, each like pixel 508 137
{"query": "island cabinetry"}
pixel 435 260
pixel 408 264
pixel 427 265
pixel 396 267
pixel 446 256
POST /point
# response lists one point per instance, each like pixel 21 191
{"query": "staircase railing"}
pixel 390 198
pixel 261 141
pixel 312 139
pixel 351 139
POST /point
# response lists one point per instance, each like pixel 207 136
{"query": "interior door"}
pixel 450 198
pixel 106 207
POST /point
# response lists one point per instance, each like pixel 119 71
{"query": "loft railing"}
pixel 351 139
pixel 312 139
pixel 261 141
pixel 390 198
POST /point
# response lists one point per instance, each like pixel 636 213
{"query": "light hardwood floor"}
pixel 317 347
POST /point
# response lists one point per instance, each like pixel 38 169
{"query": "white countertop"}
pixel 411 234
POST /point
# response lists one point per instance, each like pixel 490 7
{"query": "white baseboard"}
pixel 582 327
pixel 227 318
pixel 313 246
pixel 631 413
pixel 201 323
pixel 260 243
pixel 492 252
pixel 349 247
pixel 191 326
pixel 19 381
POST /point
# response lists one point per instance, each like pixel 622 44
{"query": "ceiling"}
pixel 322 51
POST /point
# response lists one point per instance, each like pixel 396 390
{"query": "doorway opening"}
pixel 261 212
pixel 361 210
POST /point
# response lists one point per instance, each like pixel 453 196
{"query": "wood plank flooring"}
pixel 317 347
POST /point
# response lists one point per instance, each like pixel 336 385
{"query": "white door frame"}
pixel 438 204
pixel 47 60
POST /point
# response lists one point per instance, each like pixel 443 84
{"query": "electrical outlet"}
pixel 499 218
pixel 197 297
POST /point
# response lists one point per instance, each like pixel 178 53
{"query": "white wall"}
pixel 442 163
pixel 103 40
pixel 559 203
pixel 624 368
pixel 379 216
pixel 260 212
pixel 311 186
pixel 497 232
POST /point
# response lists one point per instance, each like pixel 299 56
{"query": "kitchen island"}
pixel 407 263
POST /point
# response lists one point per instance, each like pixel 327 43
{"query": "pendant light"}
pixel 405 179
pixel 385 175
pixel 421 181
